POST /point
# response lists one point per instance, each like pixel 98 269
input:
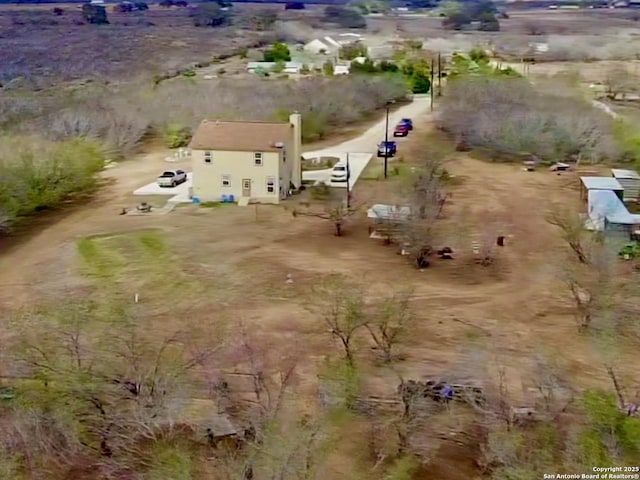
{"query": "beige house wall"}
pixel 285 166
pixel 208 177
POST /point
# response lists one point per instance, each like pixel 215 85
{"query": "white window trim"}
pixel 226 178
pixel 208 156
pixel 258 159
pixel 271 181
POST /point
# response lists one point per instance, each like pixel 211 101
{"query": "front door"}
pixel 246 187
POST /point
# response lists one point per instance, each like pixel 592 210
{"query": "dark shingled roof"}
pixel 240 136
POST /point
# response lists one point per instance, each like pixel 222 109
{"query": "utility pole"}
pixel 386 141
pixel 431 85
pixel 348 180
pixel 439 75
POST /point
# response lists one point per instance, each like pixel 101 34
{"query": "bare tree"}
pixel 390 322
pixel 336 210
pixel 534 28
pixel 572 231
pixel 592 288
pixel 115 388
pixel 342 308
pixel 510 116
pixel 425 197
pixel 619 82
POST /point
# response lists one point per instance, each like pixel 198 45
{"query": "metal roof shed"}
pixel 600 183
pixel 607 212
pixel 630 181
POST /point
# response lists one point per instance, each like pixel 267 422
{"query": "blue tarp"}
pixel 606 205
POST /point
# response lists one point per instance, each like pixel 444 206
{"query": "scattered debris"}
pixel 144 207
pixel 440 391
pixel 289 279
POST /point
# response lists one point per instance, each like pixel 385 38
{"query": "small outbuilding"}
pixel 608 214
pixel 589 184
pixel 630 181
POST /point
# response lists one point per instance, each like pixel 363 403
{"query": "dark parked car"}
pixel 401 130
pixel 390 147
pixel 408 122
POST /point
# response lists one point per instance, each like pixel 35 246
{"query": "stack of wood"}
pixel 433 390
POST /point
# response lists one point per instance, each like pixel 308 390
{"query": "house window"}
pixel 271 185
pixel 226 180
pixel 257 159
pixel 207 157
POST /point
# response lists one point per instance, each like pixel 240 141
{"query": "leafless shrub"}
pixel 104 395
pixel 122 115
pixel 534 28
pixel 390 322
pixel 592 288
pixel 335 209
pixel 121 129
pixel 573 232
pixel 342 309
pixel 510 116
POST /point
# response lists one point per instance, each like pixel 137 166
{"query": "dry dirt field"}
pixel 470 318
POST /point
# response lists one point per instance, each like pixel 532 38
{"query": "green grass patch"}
pixel 140 262
pixel 170 462
pixel 375 169
pixel 100 262
pixel 153 243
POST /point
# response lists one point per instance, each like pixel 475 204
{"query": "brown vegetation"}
pixel 508 115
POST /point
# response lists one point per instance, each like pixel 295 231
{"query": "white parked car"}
pixel 171 178
pixel 340 172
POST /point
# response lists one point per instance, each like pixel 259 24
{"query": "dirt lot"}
pixel 236 261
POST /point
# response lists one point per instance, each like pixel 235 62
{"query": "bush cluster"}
pixel 123 115
pixel 508 115
pixel 36 175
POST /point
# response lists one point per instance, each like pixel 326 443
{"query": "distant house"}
pixel 341 70
pixel 332 43
pixel 258 67
pixel 350 37
pixel 251 161
pixel 326 45
pixel 539 47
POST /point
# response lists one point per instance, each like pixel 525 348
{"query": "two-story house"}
pixel 253 161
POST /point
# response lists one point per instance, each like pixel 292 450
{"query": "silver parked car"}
pixel 171 178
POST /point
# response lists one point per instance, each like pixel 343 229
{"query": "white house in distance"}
pixel 325 45
pixel 251 161
pixel 289 67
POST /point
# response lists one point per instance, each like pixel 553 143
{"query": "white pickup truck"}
pixel 171 178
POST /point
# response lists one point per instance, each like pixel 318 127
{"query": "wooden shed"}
pixel 630 181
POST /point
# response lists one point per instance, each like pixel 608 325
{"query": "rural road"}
pixel 361 149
